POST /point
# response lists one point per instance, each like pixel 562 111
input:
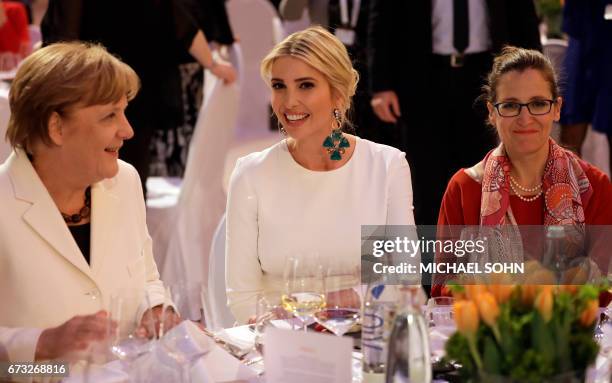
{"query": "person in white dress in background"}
pixel 311 192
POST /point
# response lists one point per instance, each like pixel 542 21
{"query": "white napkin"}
pixel 241 337
pixel 192 339
pixel 108 373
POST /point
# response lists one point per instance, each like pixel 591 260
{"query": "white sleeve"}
pixel 154 287
pixel 243 274
pixel 18 344
pixel 400 210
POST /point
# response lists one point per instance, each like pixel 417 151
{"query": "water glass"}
pixel 128 340
pixel 342 299
pixel 266 311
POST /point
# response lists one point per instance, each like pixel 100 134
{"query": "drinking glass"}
pixel 439 313
pixel 342 300
pixel 128 340
pixel 303 293
pixel 188 300
pixel 441 323
pixel 266 311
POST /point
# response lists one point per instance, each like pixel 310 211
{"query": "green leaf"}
pixel 491 358
pixel 542 338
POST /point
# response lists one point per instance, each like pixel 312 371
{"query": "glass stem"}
pixel 186 373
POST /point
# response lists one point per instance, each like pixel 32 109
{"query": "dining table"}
pixel 229 355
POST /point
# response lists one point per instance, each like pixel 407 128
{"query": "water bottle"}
pixel 554 255
pixel 380 306
pixel 408 358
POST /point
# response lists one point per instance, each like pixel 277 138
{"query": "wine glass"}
pixel 342 300
pixel 303 292
pixel 128 340
pixel 188 300
pixel 266 311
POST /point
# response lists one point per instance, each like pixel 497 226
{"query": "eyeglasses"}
pixel 535 108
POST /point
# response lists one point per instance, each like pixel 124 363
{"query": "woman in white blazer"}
pixel 72 227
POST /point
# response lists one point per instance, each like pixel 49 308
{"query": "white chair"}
pixel 201 201
pixel 5 114
pixel 258 26
pixel 221 316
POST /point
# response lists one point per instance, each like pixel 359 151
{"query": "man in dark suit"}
pixel 427 60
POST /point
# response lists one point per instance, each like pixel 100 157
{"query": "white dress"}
pixel 277 208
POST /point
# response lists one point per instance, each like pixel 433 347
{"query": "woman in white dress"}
pixel 312 191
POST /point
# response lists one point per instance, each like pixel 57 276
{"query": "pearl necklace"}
pixel 525 199
pixel 521 187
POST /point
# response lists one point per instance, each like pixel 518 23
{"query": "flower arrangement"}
pixel 524 332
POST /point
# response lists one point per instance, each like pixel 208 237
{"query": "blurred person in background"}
pixel 14 34
pixel 587 86
pixel 429 89
pixel 149 36
pixel 73 225
pixel 171 145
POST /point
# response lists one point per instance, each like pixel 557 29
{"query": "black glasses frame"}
pixel 527 105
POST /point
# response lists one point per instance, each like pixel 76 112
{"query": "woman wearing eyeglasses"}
pixel 528 179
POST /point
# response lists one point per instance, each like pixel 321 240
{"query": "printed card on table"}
pixel 298 357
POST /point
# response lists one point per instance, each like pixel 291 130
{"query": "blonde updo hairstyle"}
pixel 324 52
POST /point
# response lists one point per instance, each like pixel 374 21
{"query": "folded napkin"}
pixel 240 337
pixel 188 339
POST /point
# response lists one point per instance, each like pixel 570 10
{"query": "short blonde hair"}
pixel 56 78
pixel 324 52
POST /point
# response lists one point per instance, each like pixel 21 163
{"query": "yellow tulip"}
pixel 466 317
pixel 488 308
pixel 544 303
pixel 588 315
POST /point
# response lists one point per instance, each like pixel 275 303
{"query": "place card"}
pixel 306 357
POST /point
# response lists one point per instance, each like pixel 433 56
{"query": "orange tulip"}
pixel 537 280
pixel 588 315
pixel 575 276
pixel 544 303
pixel 501 286
pixel 569 288
pixel 472 291
pixel 488 308
pixel 466 317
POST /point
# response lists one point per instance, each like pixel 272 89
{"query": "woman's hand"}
pixel 224 70
pixel 74 335
pixel 152 318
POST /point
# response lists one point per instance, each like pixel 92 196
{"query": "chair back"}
pixel 201 201
pixel 258 26
pixel 221 316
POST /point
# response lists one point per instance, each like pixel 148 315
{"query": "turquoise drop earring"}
pixel 336 143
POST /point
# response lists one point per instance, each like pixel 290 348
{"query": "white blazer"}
pixel 44 278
